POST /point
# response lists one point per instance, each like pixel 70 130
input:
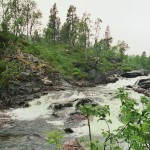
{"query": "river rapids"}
pixel 27 128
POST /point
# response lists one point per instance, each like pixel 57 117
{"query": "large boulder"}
pixel 111 79
pixel 135 73
pixel 144 83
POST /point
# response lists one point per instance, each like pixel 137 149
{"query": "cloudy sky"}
pixel 128 19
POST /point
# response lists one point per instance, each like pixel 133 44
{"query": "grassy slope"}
pixel 60 58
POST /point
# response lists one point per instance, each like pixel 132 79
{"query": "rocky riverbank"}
pixel 26 128
pixel 36 78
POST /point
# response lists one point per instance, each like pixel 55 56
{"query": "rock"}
pixel 99 78
pixel 35 90
pixel 22 103
pixel 72 144
pixel 26 105
pixel 24 89
pixel 29 97
pixel 69 104
pixel 58 106
pixel 145 84
pixel 96 76
pixel 68 130
pixel 47 82
pixel 25 76
pixel 139 90
pixel 55 106
pixel 54 114
pixel 77 115
pixel 147 92
pixel 57 76
pixel 84 101
pixel 44 93
pixel 135 73
pixel 92 73
pixel 37 95
pixel 111 79
pixel 129 86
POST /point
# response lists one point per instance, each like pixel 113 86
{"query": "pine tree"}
pixel 54 25
pixel 71 24
pixel 107 38
pixel 84 32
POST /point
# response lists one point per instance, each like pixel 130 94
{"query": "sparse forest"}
pixel 62 45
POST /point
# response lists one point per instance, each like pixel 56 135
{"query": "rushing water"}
pixel 27 127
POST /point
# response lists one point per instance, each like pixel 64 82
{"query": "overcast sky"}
pixel 129 20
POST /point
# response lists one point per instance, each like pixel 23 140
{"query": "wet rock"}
pixel 129 86
pixel 83 102
pixel 92 73
pixel 59 106
pixel 147 92
pixel 69 104
pixel 55 106
pixel 72 144
pixel 26 105
pixel 44 93
pixel 111 79
pixel 68 130
pixel 145 84
pixel 22 103
pixel 139 90
pixel 141 81
pixel 54 114
pixel 77 115
pixel 38 103
pixel 29 97
pixel 135 73
pixel 37 95
pixel 96 76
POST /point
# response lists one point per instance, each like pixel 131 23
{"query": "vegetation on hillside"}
pixel 68 47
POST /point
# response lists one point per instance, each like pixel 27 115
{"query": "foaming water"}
pixel 104 95
pixel 122 82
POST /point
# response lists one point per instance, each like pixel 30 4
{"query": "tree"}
pixel 71 24
pixel 19 16
pixel 54 24
pixel 34 22
pixel 64 33
pixel 122 47
pixel 107 38
pixel 97 29
pixel 5 15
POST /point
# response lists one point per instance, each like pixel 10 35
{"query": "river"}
pixel 27 128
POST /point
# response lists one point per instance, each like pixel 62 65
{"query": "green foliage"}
pixel 136 130
pixel 55 138
pixel 101 112
pixel 60 58
pixel 78 74
pixel 9 70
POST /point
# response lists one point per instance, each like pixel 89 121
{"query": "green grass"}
pixel 60 58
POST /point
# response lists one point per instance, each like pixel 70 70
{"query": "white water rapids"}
pixel 103 94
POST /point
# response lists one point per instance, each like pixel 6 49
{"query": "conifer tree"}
pixel 54 25
pixel 69 30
